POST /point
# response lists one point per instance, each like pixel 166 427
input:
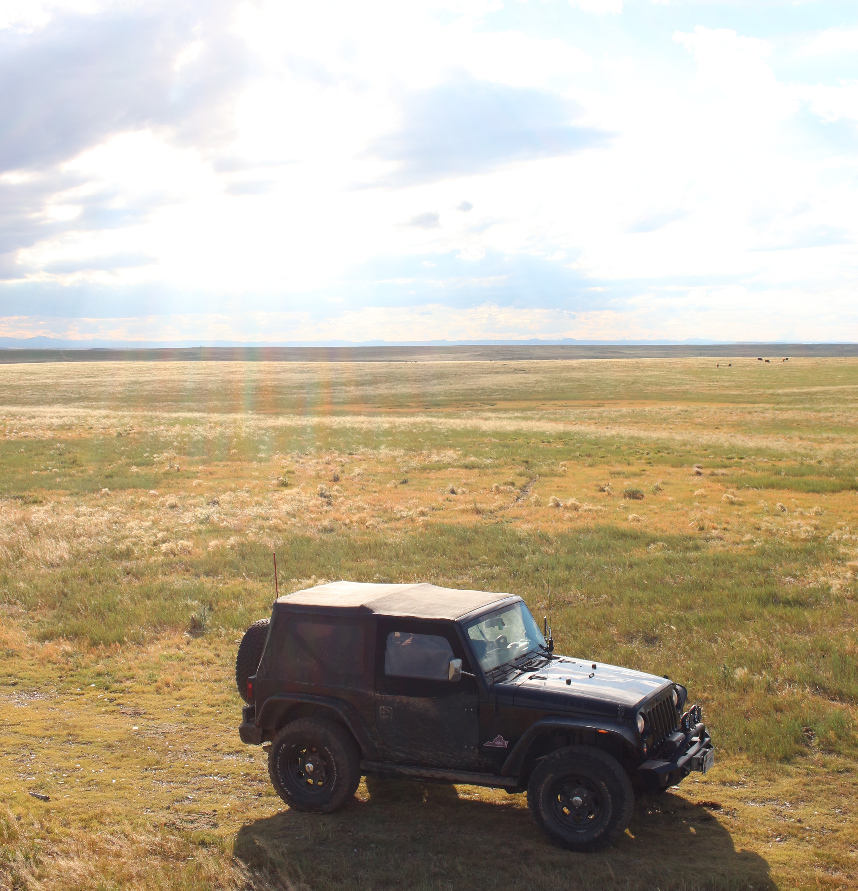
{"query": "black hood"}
pixel 566 684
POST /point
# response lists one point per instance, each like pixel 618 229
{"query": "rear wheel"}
pixel 581 798
pixel 249 653
pixel 314 765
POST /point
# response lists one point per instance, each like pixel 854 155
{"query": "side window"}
pixel 410 655
pixel 316 652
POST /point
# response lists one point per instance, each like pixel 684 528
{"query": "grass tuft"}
pixel 200 621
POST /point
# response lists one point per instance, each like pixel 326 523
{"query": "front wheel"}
pixel 581 798
pixel 314 765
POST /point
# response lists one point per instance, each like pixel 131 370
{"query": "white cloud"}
pixel 704 313
pixel 323 153
pixel 734 78
pixel 27 15
pixel 537 60
pixel 831 103
pixel 831 41
pixel 599 6
pixel 471 253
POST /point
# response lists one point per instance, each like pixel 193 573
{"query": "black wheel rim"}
pixel 308 769
pixel 578 804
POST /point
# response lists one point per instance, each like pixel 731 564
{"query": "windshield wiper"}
pixel 496 672
pixel 528 657
pixel 519 664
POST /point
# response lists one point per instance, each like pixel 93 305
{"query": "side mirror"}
pixel 454 670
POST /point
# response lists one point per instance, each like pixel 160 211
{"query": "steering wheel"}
pixel 501 643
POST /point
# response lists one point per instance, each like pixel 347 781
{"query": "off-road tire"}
pixel 301 751
pixel 249 654
pixel 581 798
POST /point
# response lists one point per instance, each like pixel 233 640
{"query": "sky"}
pixel 289 172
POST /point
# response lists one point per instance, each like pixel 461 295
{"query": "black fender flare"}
pixel 276 705
pixel 515 760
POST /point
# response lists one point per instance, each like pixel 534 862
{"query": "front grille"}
pixel 661 720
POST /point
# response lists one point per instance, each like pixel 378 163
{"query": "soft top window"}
pixel 417 656
pixel 315 650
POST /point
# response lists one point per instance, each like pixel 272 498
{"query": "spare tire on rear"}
pixel 249 653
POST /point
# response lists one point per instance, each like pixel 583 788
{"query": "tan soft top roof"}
pixel 419 601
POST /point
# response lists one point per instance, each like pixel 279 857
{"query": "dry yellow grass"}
pixel 147 498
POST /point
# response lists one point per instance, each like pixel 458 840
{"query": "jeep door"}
pixel 421 716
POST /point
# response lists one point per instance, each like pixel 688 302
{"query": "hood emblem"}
pixel 497 743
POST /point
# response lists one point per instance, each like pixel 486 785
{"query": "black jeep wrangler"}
pixel 441 685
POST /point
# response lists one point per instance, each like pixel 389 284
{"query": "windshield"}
pixel 503 636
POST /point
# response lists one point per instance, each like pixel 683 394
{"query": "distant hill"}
pixel 52 343
pixel 433 352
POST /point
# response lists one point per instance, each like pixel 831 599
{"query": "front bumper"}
pixel 694 752
pixel 248 731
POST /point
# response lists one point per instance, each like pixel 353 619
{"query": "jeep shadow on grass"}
pixel 460 687
pixel 400 834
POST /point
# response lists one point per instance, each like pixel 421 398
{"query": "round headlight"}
pixel 675 697
pixel 641 723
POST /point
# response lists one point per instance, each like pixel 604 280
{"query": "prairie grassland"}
pixel 694 521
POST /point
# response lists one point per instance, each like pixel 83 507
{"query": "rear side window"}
pixel 318 652
pixel 410 655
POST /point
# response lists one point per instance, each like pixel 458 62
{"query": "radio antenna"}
pixel 276 589
pixel 546 621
